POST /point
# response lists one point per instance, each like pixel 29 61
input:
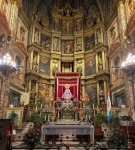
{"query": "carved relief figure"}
pixel 79 24
pixel 36 36
pixel 67 27
pixel 43 92
pixel 67 47
pixel 79 44
pixel 100 64
pixel 67 10
pixel 56 44
pixel 89 42
pixel 22 34
pixel 131 7
pixel 3 6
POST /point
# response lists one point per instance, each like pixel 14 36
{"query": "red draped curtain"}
pixel 73 82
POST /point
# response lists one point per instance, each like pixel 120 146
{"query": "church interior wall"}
pixel 77 39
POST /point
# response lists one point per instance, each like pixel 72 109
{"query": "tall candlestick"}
pixel 93 106
pixel 89 117
pixel 45 117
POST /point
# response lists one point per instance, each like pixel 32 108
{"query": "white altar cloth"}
pixel 68 130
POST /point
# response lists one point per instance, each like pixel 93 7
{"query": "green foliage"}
pixel 35 118
pixel 115 119
pixel 13 116
pixel 32 139
pixel 100 118
pixel 117 139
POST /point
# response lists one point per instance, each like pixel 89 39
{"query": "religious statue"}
pixel 56 24
pixel 67 94
pixel 35 65
pixel 100 64
pixel 101 93
pixel 36 36
pixel 55 69
pixel 56 45
pixel 78 24
pixel 32 95
pixel 67 10
pixel 98 37
pixel 79 44
pixel 79 69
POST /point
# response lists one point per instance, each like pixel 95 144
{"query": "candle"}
pixel 93 106
pixel 45 117
pixel 89 117
pixel 30 113
pixel 36 108
pixel 41 106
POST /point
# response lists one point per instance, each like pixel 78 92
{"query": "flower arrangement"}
pixel 117 139
pixel 32 139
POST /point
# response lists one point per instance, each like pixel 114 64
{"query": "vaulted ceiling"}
pixel 32 7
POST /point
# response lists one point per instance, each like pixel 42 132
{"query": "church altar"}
pixel 78 130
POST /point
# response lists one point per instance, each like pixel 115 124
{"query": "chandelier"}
pixel 129 64
pixel 7 65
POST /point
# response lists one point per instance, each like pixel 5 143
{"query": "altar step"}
pixel 19 136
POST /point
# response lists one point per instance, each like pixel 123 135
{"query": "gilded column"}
pixel 29 88
pixel 36 98
pixel 51 67
pixel 75 65
pixel 103 60
pixel 98 93
pixel 105 88
pixel 33 35
pixel 96 63
pixel 38 61
pixel 122 22
pixel 31 59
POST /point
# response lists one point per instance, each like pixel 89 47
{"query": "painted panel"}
pixel 89 42
pixel 44 67
pixel 46 42
pixel 90 66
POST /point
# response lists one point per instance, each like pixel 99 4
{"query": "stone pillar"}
pixel 33 34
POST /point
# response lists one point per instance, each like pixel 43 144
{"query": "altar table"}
pixel 78 130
